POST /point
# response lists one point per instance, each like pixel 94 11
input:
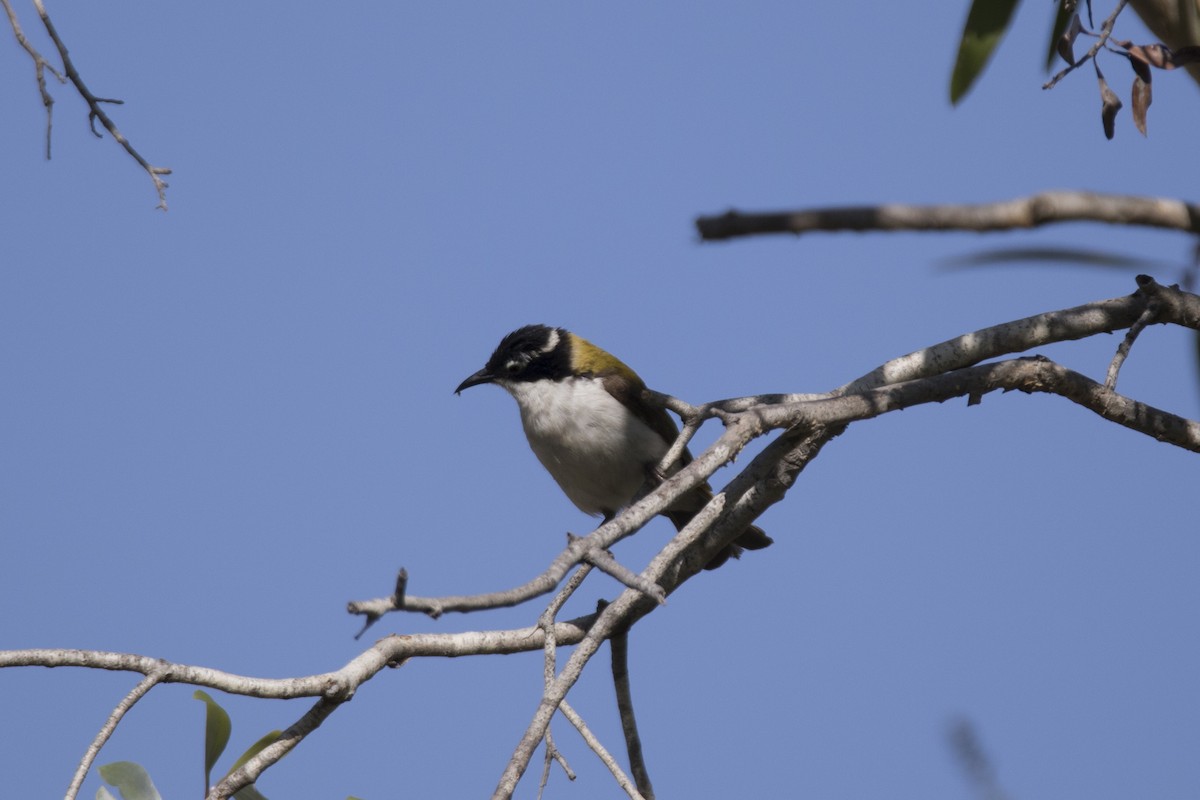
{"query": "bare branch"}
pixel 598 748
pixel 616 614
pixel 604 561
pixel 1110 381
pixel 807 423
pixel 549 654
pixel 1006 338
pixel 749 417
pixel 249 772
pixel 40 65
pixel 1028 212
pixel 1018 336
pixel 338 685
pixel 106 731
pixel 96 112
pixel 626 524
pixel 619 647
pixel 1035 374
pixel 547 619
pixel 553 756
pixel 436 606
pixel 575 553
pixel 762 483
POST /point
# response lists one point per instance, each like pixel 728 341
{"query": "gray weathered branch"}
pixel 804 423
pixel 1045 208
pixel 94 103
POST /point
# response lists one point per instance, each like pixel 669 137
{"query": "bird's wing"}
pixel 627 389
pixel 625 386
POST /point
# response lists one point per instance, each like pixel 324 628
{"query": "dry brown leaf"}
pixel 1066 42
pixel 1140 68
pixel 1111 104
pixel 1156 55
pixel 1140 98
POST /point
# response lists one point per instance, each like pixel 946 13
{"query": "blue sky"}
pixel 221 423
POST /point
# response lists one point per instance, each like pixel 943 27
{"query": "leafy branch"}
pixel 988 21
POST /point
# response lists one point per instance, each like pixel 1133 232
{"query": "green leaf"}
pixel 986 23
pixel 1060 25
pixel 217 728
pixel 131 780
pixel 104 794
pixel 249 792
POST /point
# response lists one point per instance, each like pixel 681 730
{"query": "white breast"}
pixel 596 449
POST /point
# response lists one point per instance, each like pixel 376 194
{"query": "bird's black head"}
pixel 532 353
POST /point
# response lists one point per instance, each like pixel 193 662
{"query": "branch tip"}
pixel 95 112
pixel 401 588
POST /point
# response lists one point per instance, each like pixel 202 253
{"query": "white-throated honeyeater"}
pixel 590 426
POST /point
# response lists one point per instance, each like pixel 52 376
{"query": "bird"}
pixel 587 421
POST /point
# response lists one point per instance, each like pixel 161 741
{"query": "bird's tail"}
pixel 753 538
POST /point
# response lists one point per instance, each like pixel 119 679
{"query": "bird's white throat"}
pixel 597 450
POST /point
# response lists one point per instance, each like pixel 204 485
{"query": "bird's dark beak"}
pixel 483 376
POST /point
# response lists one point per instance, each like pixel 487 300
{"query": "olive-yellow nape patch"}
pixel 587 359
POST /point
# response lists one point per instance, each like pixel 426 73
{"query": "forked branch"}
pixel 803 425
pixel 95 104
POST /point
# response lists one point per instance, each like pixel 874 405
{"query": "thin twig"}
pixel 619 647
pixel 553 756
pixel 40 65
pixel 110 726
pixel 1106 30
pixel 598 748
pixel 604 561
pixel 96 112
pixel 1147 317
pixel 547 619
pixel 615 614
pixel 618 615
pixel 549 651
pixel 608 534
pixel 679 446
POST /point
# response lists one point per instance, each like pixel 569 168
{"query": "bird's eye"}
pixel 513 367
